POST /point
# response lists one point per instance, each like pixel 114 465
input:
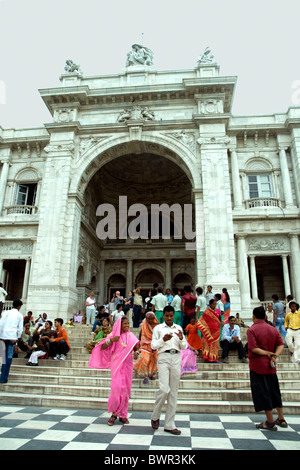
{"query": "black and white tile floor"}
pixel 36 428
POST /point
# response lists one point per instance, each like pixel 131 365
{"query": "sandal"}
pixel 124 420
pixel 281 422
pixel 112 420
pixel 267 426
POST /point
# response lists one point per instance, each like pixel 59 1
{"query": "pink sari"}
pixel 118 358
pixel 188 360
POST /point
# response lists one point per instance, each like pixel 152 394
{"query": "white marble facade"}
pixel 161 137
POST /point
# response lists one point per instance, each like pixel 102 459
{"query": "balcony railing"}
pixel 262 202
pixel 20 209
pixel 148 241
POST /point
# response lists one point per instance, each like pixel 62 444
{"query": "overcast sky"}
pixel 258 41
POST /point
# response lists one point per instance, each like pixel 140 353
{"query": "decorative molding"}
pixel 186 138
pixel 214 140
pixel 268 244
pixel 63 148
pixel 23 248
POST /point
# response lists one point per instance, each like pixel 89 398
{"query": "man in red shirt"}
pixel 264 346
pixel 188 306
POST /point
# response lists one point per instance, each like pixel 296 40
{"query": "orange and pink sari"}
pixel 209 325
pixel 146 366
pixel 118 358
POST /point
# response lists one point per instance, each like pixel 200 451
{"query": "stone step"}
pixel 223 388
pixel 183 406
pixel 221 374
pixel 140 393
pixel 189 384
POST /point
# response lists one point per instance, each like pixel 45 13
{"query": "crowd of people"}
pixel 39 338
pixel 175 327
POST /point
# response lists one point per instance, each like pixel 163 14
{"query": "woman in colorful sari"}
pixel 210 326
pixel 115 352
pixel 146 366
pixel 225 298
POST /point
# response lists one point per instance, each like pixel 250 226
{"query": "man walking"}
pixel 11 328
pixel 168 339
pixel 264 346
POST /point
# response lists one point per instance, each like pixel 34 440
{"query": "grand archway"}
pixel 147 179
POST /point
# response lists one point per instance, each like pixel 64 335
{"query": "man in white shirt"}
pixel 159 302
pixel 201 303
pixel 3 294
pixel 231 340
pixel 11 328
pixel 117 313
pixel 176 303
pixel 168 339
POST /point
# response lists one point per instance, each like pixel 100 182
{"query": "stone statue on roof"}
pixel 71 67
pixel 206 57
pixel 139 55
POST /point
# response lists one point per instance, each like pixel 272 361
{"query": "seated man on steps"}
pixel 231 340
pixel 59 346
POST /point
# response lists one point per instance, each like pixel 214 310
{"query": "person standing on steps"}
pixel 11 328
pixel 264 347
pixel 115 353
pixel 168 339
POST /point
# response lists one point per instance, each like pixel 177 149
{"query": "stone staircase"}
pixel 215 388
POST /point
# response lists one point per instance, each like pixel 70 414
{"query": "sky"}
pixel 258 41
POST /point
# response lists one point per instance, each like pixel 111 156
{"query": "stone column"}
pixel 1 270
pixel 3 182
pixel 53 274
pixel 286 181
pixel 217 212
pixel 102 293
pixel 295 169
pixel 253 278
pixel 200 248
pixel 26 279
pixel 129 285
pixel 168 276
pixel 235 180
pixel 243 272
pixel 286 276
pixel 295 264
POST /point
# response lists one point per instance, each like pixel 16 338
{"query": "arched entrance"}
pixel 147 278
pixel 116 282
pixel 147 175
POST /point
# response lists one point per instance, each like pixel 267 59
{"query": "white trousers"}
pixel 90 315
pixel 34 357
pixel 169 370
pixel 293 341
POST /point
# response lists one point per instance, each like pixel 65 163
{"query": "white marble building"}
pixel 155 137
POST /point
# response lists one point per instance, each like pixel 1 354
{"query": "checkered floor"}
pixel 36 428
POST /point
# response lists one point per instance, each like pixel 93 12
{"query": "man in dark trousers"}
pixel 264 347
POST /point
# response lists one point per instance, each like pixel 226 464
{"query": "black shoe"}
pixel 155 423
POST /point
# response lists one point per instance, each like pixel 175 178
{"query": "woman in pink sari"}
pixel 115 353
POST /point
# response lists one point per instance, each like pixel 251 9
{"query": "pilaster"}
pixel 53 276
